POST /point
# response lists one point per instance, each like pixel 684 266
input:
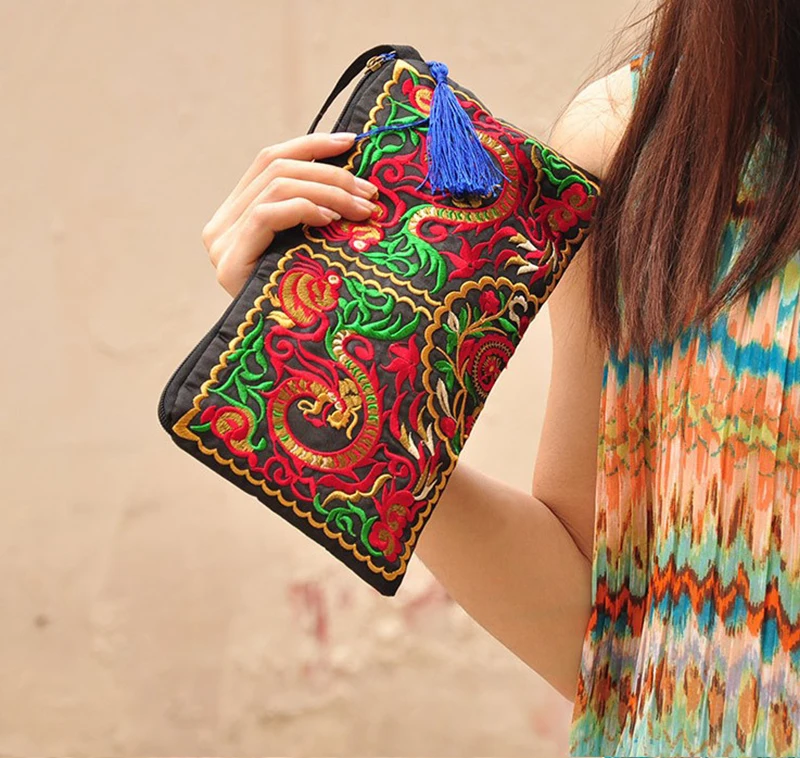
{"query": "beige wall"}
pixel 147 606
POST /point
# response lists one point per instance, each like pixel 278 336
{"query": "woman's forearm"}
pixel 510 563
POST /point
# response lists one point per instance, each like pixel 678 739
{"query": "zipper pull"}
pixel 351 72
pixel 376 61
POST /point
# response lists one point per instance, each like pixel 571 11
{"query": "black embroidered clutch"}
pixel 341 384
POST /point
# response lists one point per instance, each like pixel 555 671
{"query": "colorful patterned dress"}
pixel 693 646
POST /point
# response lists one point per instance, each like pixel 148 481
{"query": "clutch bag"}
pixel 343 381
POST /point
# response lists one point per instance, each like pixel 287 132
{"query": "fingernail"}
pixel 331 214
pixel 365 205
pixel 365 188
pixel 343 136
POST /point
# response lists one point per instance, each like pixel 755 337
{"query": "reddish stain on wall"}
pixel 309 597
pixel 433 596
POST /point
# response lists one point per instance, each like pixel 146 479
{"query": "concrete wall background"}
pixel 148 607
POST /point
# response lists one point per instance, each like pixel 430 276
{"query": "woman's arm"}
pixel 519 563
pixel 505 557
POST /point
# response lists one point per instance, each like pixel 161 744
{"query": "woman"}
pixel 654 579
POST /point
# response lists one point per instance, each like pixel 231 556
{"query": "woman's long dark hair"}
pixel 673 181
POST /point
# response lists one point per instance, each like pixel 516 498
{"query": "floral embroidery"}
pixel 488 302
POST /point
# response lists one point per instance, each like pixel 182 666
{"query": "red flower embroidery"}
pixel 307 290
pixel 562 213
pixel 419 96
pixel 364 236
pixel 448 426
pixel 233 426
pixel 394 509
pixel 576 197
pixel 468 424
pixel 405 362
pixel 467 261
pixel 483 359
pixel 489 302
pixel 359 235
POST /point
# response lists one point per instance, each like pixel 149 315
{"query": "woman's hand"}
pixel 282 188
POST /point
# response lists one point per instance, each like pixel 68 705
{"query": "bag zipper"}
pixel 372 66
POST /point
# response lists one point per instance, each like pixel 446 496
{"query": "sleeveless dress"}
pixel 693 645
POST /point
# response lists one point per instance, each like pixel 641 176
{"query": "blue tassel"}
pixel 458 163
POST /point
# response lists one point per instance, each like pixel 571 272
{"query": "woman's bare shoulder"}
pixel 589 130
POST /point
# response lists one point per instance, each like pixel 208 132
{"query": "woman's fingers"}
pixel 282 189
pixel 235 263
pixel 289 168
pixel 329 196
pixel 307 147
pixel 292 158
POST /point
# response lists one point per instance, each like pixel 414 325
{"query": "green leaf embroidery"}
pixel 443 366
